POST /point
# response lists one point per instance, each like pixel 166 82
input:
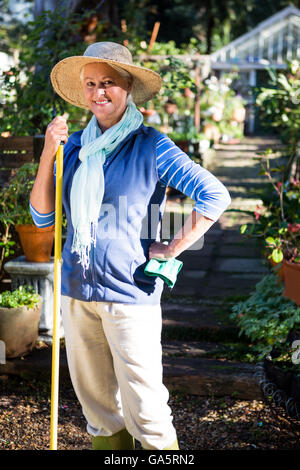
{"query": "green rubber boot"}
pixel 174 446
pixel 122 440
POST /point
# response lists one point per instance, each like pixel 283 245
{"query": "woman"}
pixel 111 310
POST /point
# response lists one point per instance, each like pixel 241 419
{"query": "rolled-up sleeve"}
pixel 42 220
pixel 176 169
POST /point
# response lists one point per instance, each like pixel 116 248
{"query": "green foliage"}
pixel 19 297
pixel 177 77
pixel 266 317
pixel 27 94
pixel 13 29
pixel 277 221
pixel 218 103
pixel 214 23
pixel 279 107
pixel 15 195
pixel 280 101
pixel 14 208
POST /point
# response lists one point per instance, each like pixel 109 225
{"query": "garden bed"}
pixel 202 422
pixel 280 391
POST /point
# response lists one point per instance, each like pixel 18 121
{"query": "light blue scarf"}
pixel 88 181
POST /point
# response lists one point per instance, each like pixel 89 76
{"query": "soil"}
pixel 202 423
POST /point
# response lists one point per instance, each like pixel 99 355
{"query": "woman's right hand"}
pixel 57 131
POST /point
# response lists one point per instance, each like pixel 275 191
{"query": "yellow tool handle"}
pixel 57 299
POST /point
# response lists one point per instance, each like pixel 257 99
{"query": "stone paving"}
pixel 213 278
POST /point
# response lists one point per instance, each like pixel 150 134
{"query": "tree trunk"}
pixel 209 31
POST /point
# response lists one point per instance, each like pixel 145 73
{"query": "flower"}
pixel 293 228
pixel 257 213
pixel 295 182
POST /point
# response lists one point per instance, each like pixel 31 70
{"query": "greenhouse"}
pixel 273 43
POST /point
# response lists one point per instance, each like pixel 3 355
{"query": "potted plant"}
pixel 266 317
pixel 20 312
pixel 223 110
pixel 272 323
pixel 277 221
pixel 285 245
pixel 36 242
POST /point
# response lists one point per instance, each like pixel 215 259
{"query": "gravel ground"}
pixel 202 423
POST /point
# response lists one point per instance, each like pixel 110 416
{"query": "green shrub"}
pixel 22 296
pixel 266 317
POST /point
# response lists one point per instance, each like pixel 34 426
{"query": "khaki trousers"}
pixel 115 361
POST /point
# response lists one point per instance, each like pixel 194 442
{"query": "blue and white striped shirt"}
pixel 176 169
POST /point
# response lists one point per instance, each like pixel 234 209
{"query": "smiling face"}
pixel 106 93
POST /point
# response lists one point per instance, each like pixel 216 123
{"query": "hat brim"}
pixel 65 79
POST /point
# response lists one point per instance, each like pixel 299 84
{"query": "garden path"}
pixel 201 347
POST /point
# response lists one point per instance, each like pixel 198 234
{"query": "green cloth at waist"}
pixel 165 269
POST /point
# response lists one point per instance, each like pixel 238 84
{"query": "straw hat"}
pixel 65 75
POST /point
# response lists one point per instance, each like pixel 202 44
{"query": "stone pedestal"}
pixel 41 277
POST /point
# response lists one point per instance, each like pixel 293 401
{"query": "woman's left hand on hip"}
pixel 160 251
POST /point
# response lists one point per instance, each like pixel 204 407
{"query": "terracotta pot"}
pixel 171 108
pixel 36 242
pixel 147 112
pixel 19 329
pixel 212 132
pixel 239 114
pixel 188 93
pixel 291 274
pixel 217 115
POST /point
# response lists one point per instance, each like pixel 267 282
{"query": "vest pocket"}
pixel 137 273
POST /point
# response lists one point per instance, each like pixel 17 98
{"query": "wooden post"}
pixel 154 35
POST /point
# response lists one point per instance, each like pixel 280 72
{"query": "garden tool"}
pixel 57 297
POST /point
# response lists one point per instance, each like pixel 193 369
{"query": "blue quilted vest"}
pixel 129 222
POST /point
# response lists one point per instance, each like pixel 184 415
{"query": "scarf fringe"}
pixel 83 250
